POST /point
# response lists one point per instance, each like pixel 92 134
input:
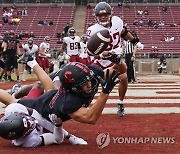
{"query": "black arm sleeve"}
pixel 125 32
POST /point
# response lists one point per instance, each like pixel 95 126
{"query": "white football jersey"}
pixel 83 52
pixel 45 46
pixel 72 45
pixel 31 140
pixel 115 40
pixel 29 50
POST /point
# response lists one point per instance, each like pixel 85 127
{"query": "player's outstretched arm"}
pixel 92 114
pixel 42 75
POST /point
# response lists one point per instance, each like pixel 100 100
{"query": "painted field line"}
pixel 139 101
pixel 144 110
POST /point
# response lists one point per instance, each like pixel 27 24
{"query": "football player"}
pixel 71 44
pixel 105 20
pixel 84 57
pixel 79 84
pixel 31 48
pixel 27 128
pixel 42 58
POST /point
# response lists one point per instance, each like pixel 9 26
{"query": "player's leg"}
pixel 122 87
pixel 24 72
pixel 42 75
pixel 2 65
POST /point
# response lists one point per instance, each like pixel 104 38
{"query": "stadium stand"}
pixel 60 15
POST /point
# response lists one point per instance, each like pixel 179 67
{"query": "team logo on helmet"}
pixel 68 77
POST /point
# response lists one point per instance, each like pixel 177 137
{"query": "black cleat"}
pixel 120 111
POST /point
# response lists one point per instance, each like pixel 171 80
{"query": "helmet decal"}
pixel 74 75
pixel 83 68
pixel 68 77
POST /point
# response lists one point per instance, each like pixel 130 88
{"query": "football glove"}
pixel 117 59
pixel 110 81
pixel 57 121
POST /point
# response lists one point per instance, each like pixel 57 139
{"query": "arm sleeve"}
pixel 42 121
pixel 56 137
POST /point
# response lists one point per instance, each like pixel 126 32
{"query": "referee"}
pixel 129 52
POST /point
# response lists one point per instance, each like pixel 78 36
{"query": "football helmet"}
pixel 11 34
pixel 74 75
pixel 30 41
pixel 16 125
pixel 47 38
pixel 103 13
pixel 71 32
pixel 85 37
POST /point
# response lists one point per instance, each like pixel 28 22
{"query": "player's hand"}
pixel 117 59
pixel 57 121
pixel 140 46
pixel 110 81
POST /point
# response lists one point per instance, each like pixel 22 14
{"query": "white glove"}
pixel 55 119
pixel 140 46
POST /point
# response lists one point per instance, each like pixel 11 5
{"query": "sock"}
pixel 66 134
pixel 120 102
pixel 24 74
pixel 32 63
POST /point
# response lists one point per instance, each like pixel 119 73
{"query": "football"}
pixel 98 42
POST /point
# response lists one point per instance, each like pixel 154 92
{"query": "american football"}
pixel 98 42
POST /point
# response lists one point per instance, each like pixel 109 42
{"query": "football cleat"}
pixel 15 88
pixel 120 111
pixel 77 141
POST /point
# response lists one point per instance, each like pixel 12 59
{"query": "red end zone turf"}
pixel 139 126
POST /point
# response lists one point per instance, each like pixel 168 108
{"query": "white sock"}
pixel 32 63
pixel 65 133
pixel 24 74
pixel 120 102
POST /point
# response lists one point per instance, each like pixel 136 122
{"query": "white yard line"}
pixel 144 110
pixel 144 101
